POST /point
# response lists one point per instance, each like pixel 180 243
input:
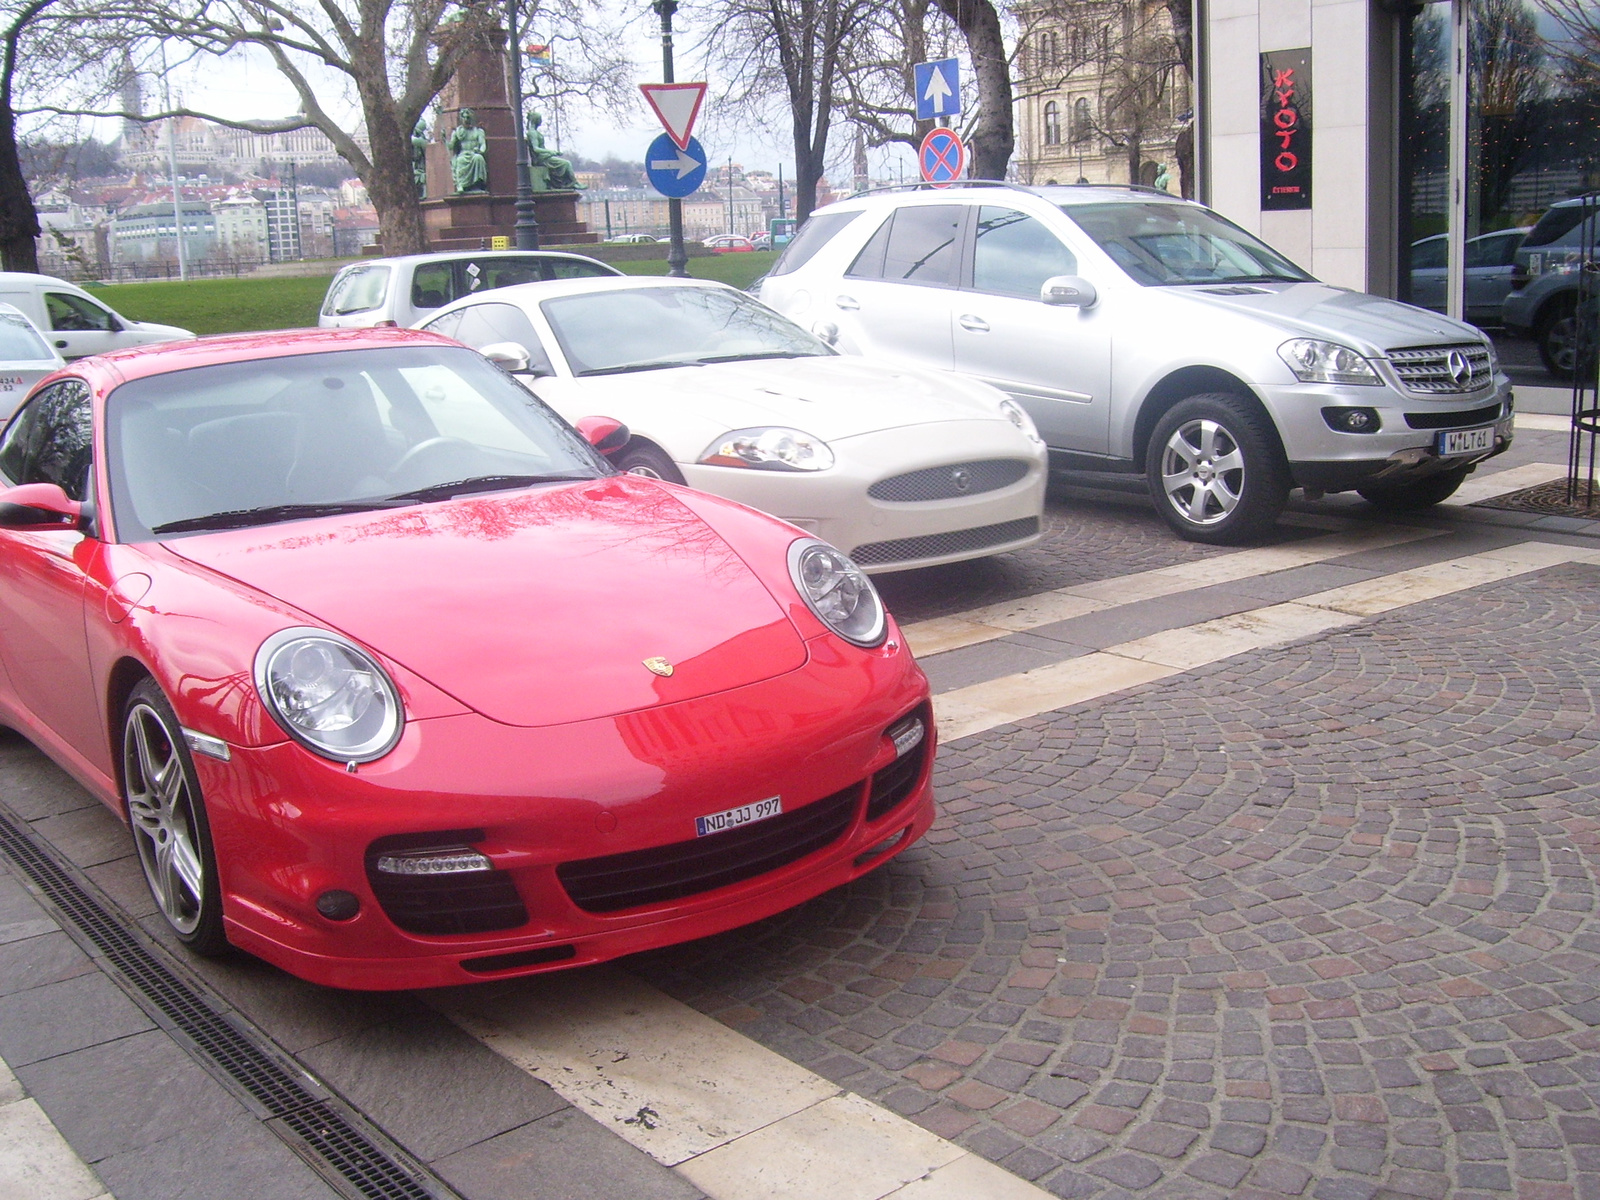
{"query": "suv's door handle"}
pixel 847 303
pixel 973 324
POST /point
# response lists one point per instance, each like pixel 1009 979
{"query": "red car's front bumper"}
pixel 618 795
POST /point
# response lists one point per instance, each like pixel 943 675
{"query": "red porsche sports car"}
pixel 398 684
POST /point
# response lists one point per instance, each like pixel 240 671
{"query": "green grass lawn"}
pixel 242 305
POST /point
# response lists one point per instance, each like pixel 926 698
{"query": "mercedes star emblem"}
pixel 1460 368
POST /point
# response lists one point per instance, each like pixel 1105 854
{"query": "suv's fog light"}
pixel 1352 420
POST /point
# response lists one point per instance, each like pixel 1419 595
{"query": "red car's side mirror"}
pixel 38 504
pixel 605 434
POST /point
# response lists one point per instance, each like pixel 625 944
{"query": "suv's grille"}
pixel 664 873
pixel 1443 370
pixel 875 554
pixel 947 483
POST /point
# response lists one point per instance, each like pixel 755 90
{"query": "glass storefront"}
pixel 1524 123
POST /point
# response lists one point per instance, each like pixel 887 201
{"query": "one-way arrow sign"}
pixel 938 88
pixel 673 172
pixel 676 106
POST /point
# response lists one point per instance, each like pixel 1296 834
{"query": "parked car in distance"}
pixel 761 240
pixel 634 239
pixel 399 684
pixel 1546 285
pixel 401 291
pixel 1145 333
pixel 1489 259
pixel 728 243
pixel 75 322
pixel 25 358
pixel 896 467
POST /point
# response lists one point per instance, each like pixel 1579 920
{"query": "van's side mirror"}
pixel 38 505
pixel 1068 291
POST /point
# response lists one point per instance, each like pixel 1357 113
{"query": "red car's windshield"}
pixel 249 443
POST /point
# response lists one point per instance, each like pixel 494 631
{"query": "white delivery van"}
pixel 75 322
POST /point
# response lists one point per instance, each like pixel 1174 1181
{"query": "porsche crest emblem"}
pixel 659 665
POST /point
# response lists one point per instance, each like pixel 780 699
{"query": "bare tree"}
pixel 993 138
pixel 796 49
pixel 1509 79
pixel 19 220
pixel 1578 50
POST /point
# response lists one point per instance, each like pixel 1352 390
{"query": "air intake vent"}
pixel 681 869
pixel 936 545
pixel 468 900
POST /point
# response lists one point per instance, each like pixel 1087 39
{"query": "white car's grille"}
pixel 1443 370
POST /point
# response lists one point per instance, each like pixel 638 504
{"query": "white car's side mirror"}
pixel 827 331
pixel 1068 291
pixel 508 356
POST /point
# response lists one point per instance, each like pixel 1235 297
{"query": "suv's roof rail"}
pixel 1031 189
pixel 919 185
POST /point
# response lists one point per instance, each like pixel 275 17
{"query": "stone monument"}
pixel 472 219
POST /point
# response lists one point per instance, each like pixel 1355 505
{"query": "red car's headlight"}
pixel 329 695
pixel 838 592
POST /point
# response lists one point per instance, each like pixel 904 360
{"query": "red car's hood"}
pixel 534 608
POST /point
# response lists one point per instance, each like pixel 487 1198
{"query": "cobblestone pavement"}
pixel 1315 921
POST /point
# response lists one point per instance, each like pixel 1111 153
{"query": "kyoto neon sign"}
pixel 1286 129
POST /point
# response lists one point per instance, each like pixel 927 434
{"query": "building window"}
pixel 1082 121
pixel 1052 124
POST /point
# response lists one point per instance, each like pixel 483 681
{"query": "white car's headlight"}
pixel 1020 419
pixel 771 447
pixel 838 592
pixel 1313 361
pixel 329 695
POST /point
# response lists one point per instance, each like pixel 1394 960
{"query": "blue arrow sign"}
pixel 938 88
pixel 674 172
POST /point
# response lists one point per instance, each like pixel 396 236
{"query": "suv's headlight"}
pixel 772 447
pixel 1326 362
pixel 1014 413
pixel 838 592
pixel 329 695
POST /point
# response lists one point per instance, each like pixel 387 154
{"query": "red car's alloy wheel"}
pixel 168 820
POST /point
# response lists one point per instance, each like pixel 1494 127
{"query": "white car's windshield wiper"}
pixel 478 483
pixel 752 355
pixel 241 518
pixel 654 364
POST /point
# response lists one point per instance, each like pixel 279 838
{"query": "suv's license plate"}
pixel 735 817
pixel 1466 441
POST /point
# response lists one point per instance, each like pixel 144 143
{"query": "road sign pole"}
pixel 677 256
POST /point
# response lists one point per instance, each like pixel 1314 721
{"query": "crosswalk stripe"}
pixel 982 706
pixel 1501 483
pixel 1543 423
pixel 35 1160
pixel 737 1120
pixel 992 621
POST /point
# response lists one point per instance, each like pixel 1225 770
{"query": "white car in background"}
pixel 897 467
pixel 408 288
pixel 74 322
pixel 25 358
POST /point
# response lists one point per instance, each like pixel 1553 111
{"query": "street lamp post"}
pixel 677 256
pixel 527 227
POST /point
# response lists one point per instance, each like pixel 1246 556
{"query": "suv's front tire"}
pixel 1216 472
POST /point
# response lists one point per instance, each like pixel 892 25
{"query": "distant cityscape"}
pixel 251 199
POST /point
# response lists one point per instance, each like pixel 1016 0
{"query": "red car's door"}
pixel 43 571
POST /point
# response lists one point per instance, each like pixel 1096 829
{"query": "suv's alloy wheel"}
pixel 1215 471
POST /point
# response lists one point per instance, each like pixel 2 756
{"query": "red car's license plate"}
pixel 735 817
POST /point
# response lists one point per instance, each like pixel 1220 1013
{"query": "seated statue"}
pixel 468 146
pixel 548 170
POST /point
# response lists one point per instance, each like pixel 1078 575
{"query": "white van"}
pixel 75 322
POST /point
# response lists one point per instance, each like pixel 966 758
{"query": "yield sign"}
pixel 676 106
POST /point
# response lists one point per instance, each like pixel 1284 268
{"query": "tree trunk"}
pixel 1184 152
pixel 391 186
pixel 994 139
pixel 19 220
pixel 1135 156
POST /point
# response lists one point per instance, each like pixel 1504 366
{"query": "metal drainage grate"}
pixel 348 1156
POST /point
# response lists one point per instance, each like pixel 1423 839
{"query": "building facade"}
pixel 149 232
pixel 1102 92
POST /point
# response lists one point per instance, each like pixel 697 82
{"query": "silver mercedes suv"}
pixel 1147 334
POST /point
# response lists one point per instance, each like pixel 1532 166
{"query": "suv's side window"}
pixel 50 441
pixel 432 285
pixel 921 244
pixel 1014 254
pixel 74 314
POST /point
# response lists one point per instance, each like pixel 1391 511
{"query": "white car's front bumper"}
pixel 890 535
